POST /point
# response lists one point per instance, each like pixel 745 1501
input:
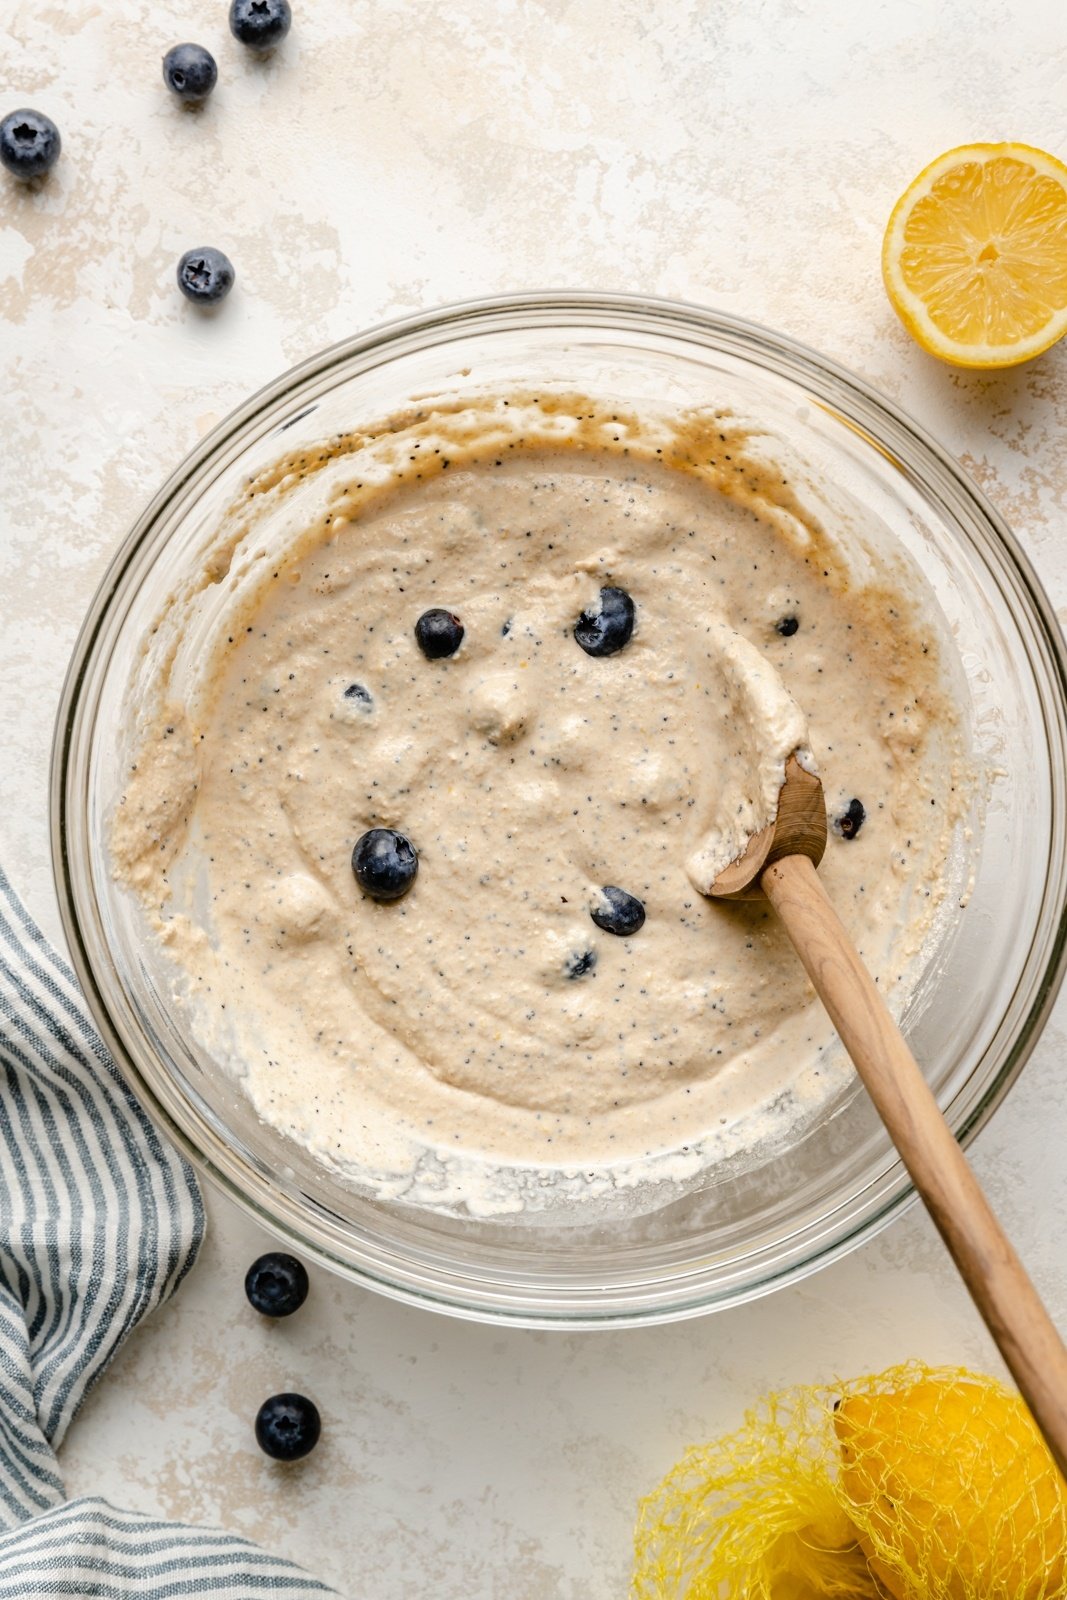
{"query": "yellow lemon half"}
pixel 975 255
pixel 953 1493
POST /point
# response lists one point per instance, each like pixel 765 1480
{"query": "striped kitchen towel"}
pixel 99 1223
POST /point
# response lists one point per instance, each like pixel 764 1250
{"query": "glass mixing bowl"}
pixel 752 1226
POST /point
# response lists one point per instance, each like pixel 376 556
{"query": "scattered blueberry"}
pixel 609 628
pixel 438 634
pixel 579 962
pixel 189 71
pixel 29 143
pixel 205 276
pixel 260 24
pixel 385 864
pixel 360 694
pixel 276 1284
pixel 620 912
pixel 506 629
pixel 787 626
pixel 851 820
pixel 288 1426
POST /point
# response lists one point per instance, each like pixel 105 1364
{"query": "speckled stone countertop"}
pixel 396 154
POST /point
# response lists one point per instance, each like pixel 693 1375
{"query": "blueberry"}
pixel 385 864
pixel 851 820
pixel 260 24
pixel 438 634
pixel 205 276
pixel 579 962
pixel 787 626
pixel 609 628
pixel 619 913
pixel 361 695
pixel 189 71
pixel 288 1426
pixel 29 143
pixel 276 1284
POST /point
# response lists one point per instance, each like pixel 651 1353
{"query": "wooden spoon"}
pixel 780 863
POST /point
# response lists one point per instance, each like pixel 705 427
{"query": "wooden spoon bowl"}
pixel 799 829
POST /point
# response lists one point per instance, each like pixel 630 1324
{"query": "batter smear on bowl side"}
pixel 534 665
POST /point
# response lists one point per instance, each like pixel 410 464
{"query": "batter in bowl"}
pixel 439 750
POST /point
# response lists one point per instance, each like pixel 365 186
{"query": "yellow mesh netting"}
pixel 915 1483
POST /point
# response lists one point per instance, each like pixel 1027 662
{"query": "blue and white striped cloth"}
pixel 99 1223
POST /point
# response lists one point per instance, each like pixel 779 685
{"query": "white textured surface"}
pixel 394 155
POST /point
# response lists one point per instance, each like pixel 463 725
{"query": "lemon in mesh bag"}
pixel 915 1483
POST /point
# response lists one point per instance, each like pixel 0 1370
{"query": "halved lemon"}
pixel 975 255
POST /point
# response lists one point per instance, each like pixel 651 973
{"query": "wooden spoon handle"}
pixel 996 1278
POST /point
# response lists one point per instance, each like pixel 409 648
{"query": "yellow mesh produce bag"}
pixel 913 1484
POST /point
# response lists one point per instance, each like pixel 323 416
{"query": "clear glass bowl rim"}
pixel 891 430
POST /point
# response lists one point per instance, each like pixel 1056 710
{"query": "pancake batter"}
pixel 548 987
